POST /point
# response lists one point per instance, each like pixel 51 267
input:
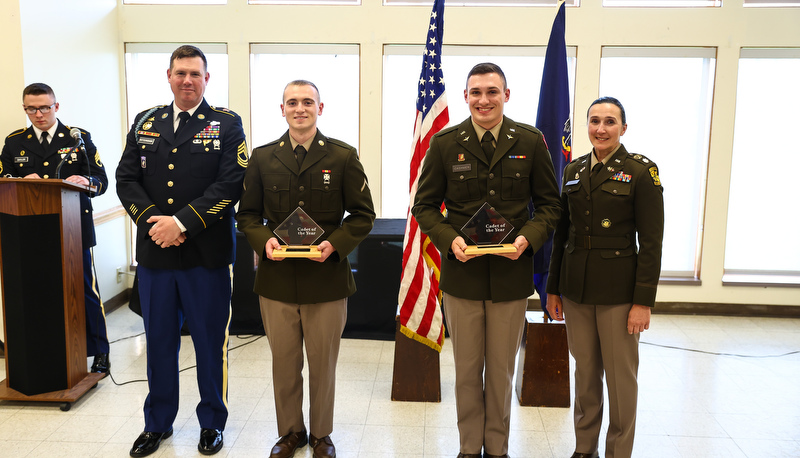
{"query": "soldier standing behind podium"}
pixel 305 300
pixel 28 154
pixel 179 178
pixel 487 158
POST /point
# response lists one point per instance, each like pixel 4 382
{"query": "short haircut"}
pixel 485 68
pixel 301 83
pixel 188 51
pixel 610 100
pixel 38 89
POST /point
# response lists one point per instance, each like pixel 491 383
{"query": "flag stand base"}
pixel 542 378
pixel 416 370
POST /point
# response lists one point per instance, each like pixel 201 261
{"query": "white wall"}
pixel 74 47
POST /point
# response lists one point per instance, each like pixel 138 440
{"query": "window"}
pixel 175 2
pixel 402 64
pixel 663 3
pixel 772 3
pixel 146 67
pixel 667 95
pixel 492 3
pixel 760 242
pixel 334 69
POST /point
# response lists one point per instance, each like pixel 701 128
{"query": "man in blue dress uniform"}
pixel 179 178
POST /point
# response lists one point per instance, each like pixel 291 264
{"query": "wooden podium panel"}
pixel 41 263
pixel 542 378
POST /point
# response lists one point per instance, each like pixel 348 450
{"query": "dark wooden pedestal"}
pixel 416 370
pixel 543 367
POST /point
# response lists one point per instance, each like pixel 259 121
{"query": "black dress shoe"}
pixel 210 441
pixel 148 442
pixel 585 455
pixel 101 363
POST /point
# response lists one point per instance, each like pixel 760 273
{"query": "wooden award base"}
pixel 490 249
pixel 297 251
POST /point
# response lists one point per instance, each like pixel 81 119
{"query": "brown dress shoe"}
pixel 469 455
pixel 585 455
pixel 288 444
pixel 323 448
pixel 487 455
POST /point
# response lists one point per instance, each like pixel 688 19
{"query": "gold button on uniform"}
pixel 169 201
pixel 491 176
pixel 174 150
pixel 46 177
pixel 169 183
pixel 301 203
pixel 46 164
pixel 171 166
pixel 491 193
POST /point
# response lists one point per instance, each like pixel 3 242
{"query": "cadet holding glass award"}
pixel 297 190
pixel 486 171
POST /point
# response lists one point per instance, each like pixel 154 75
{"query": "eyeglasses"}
pixel 44 110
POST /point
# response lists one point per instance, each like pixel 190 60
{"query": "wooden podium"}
pixel 41 267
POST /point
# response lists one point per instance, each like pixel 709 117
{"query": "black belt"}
pixel 600 242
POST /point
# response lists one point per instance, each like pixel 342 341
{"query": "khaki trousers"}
pixel 485 336
pixel 599 341
pixel 288 327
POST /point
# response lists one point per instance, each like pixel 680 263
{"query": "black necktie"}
pixel 45 143
pixel 183 117
pixel 486 144
pixel 595 170
pixel 300 154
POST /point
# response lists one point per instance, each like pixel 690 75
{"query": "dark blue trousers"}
pixel 96 334
pixel 201 297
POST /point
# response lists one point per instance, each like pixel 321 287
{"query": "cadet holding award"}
pixel 486 171
pixel 301 185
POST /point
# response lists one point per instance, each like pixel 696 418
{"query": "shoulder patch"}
pixel 17 132
pixel 654 176
pixel 224 111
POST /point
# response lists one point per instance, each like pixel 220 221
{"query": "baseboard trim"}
pixel 117 301
pixel 696 308
pixel 752 310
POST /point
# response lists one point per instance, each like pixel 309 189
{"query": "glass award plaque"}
pixel 487 229
pixel 298 232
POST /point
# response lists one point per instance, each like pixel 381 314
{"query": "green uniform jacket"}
pixel 595 255
pixel 455 171
pixel 330 182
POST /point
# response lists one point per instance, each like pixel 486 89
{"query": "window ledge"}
pixel 753 279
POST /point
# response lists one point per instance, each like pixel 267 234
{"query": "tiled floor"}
pixel 691 404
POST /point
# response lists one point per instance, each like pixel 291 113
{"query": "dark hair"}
pixel 188 51
pixel 38 89
pixel 302 83
pixel 610 100
pixel 485 68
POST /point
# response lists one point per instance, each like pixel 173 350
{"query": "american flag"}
pixel 420 315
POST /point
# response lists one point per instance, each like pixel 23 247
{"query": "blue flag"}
pixel 553 120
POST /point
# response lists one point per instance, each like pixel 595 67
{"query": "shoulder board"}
pixel 152 109
pixel 529 127
pixel 224 111
pixel 84 132
pixel 447 130
pixel 273 142
pixel 640 159
pixel 339 143
pixel 17 132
